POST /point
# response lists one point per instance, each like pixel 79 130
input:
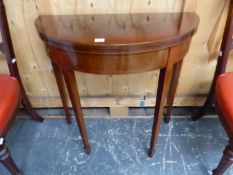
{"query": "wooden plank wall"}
pixel 125 90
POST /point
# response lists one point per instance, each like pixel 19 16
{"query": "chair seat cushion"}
pixel 224 99
pixel 9 98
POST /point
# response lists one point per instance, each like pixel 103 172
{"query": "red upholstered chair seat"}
pixel 224 100
pixel 9 98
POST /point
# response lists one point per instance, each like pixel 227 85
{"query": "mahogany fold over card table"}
pixel 118 44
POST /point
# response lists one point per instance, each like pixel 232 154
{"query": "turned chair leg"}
pixel 7 160
pixel 226 161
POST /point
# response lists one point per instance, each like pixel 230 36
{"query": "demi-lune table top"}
pixel 119 32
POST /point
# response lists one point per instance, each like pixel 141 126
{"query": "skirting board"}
pixel 115 117
pixel 116 101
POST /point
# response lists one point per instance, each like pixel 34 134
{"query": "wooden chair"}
pixel 226 47
pixel 6 47
pixel 12 94
pixel 222 89
pixel 224 107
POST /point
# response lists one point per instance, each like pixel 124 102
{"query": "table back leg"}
pixel 172 91
pixel 61 88
pixel 75 100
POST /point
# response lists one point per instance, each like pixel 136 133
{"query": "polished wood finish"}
pixel 110 64
pixel 226 47
pixel 8 50
pixel 164 81
pixel 123 33
pixel 172 90
pixel 139 40
pixel 75 100
pixel 61 88
pixel 119 44
pixel 226 161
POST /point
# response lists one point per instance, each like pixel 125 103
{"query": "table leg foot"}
pixel 68 118
pixel 172 91
pixel 68 121
pixel 87 149
pixel 150 152
pixel 167 119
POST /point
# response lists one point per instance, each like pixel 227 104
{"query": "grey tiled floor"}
pixel 118 147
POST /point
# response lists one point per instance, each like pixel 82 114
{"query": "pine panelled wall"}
pixel 115 90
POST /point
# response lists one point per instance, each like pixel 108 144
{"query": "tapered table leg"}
pixel 172 90
pixel 75 100
pixel 61 88
pixel 163 85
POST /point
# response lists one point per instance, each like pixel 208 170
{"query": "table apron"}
pixel 103 63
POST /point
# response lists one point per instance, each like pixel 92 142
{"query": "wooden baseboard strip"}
pixel 116 101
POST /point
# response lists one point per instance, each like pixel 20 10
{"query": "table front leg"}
pixel 75 100
pixel 163 85
pixel 172 90
pixel 61 88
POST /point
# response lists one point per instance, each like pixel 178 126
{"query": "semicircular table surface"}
pixel 118 44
